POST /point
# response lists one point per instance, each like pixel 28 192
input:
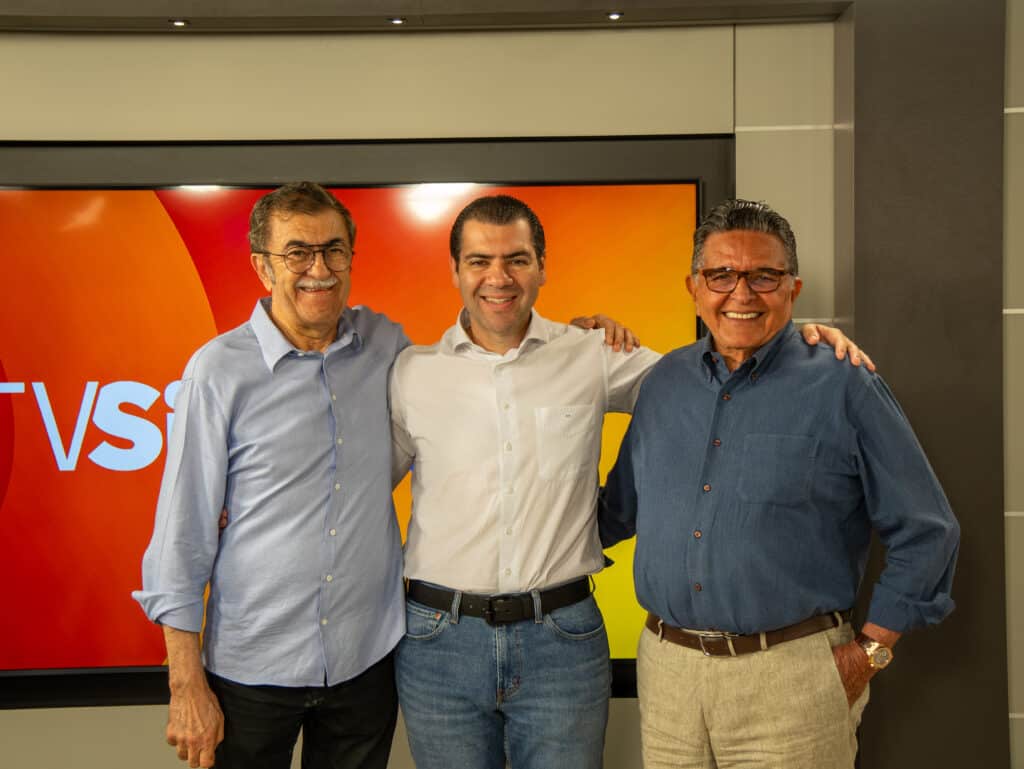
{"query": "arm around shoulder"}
pixel 403 450
pixel 618 502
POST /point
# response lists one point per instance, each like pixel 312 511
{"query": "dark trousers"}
pixel 346 726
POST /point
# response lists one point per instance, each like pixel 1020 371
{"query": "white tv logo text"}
pixel 102 405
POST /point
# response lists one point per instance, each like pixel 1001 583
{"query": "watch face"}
pixel 881 657
pixel 878 655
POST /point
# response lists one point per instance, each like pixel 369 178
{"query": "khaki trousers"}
pixel 782 708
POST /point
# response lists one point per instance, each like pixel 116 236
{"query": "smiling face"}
pixel 499 276
pixel 742 321
pixel 306 307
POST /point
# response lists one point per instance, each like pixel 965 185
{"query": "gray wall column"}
pixel 928 167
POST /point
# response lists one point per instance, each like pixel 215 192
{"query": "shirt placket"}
pixel 327 604
pixel 509 452
pixel 717 449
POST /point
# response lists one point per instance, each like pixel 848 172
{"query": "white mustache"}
pixel 317 284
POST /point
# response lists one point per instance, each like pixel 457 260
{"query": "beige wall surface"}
pixel 132 738
pixel 372 86
pixel 785 143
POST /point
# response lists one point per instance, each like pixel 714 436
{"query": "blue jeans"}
pixel 535 691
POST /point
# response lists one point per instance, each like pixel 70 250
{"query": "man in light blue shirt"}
pixel 283 423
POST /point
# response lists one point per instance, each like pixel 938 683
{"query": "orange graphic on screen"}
pixel 132 282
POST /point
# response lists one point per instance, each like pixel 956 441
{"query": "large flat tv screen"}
pixel 127 279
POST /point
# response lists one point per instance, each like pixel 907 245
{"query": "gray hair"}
pixel 730 215
pixel 294 198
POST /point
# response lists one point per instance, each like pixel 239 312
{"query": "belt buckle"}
pixel 501 611
pixel 715 636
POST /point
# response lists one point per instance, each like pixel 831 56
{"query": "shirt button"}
pixel 697 587
pixel 333 532
pixel 697 534
pixel 334 397
pixel 510 491
pixel 508 531
pixel 508 572
pixel 715 442
pixel 341 441
pixel 337 487
pixel 323 621
pixel 727 397
pixel 707 487
pixel 506 406
pixel 329 578
pixel 508 445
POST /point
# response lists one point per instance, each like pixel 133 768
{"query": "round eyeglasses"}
pixel 299 258
pixel 723 280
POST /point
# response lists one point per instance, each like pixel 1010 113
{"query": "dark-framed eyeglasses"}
pixel 299 258
pixel 723 280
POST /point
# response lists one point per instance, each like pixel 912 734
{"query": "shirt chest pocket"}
pixel 777 469
pixel 567 440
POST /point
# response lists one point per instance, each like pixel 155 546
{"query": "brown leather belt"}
pixel 715 643
pixel 500 609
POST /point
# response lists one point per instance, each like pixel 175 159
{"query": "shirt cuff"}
pixel 180 612
pixel 896 612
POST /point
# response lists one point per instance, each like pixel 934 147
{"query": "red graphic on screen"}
pixel 135 281
pixel 6 440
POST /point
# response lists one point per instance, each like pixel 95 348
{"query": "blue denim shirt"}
pixel 306 580
pixel 753 493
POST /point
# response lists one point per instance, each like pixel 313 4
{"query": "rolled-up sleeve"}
pixel 179 559
pixel 910 512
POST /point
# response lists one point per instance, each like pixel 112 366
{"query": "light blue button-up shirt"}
pixel 306 580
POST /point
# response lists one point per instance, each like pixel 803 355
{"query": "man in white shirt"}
pixel 505 658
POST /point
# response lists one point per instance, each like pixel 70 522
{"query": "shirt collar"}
pixel 274 345
pixel 757 364
pixel 539 331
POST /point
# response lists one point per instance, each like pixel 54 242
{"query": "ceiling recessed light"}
pixel 614 15
pixel 179 23
pixel 397 20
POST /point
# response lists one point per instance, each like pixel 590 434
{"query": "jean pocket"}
pixel 777 469
pixel 578 622
pixel 422 622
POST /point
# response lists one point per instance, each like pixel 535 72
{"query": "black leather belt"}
pixel 721 644
pixel 500 609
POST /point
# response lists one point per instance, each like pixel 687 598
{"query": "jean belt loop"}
pixel 838 618
pixel 764 641
pixel 456 602
pixel 732 649
pixel 661 628
pixel 538 610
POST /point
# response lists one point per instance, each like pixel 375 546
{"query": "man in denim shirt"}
pixel 753 473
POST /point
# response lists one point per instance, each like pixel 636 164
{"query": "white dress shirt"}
pixel 505 452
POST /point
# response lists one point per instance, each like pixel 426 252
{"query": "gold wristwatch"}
pixel 879 655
